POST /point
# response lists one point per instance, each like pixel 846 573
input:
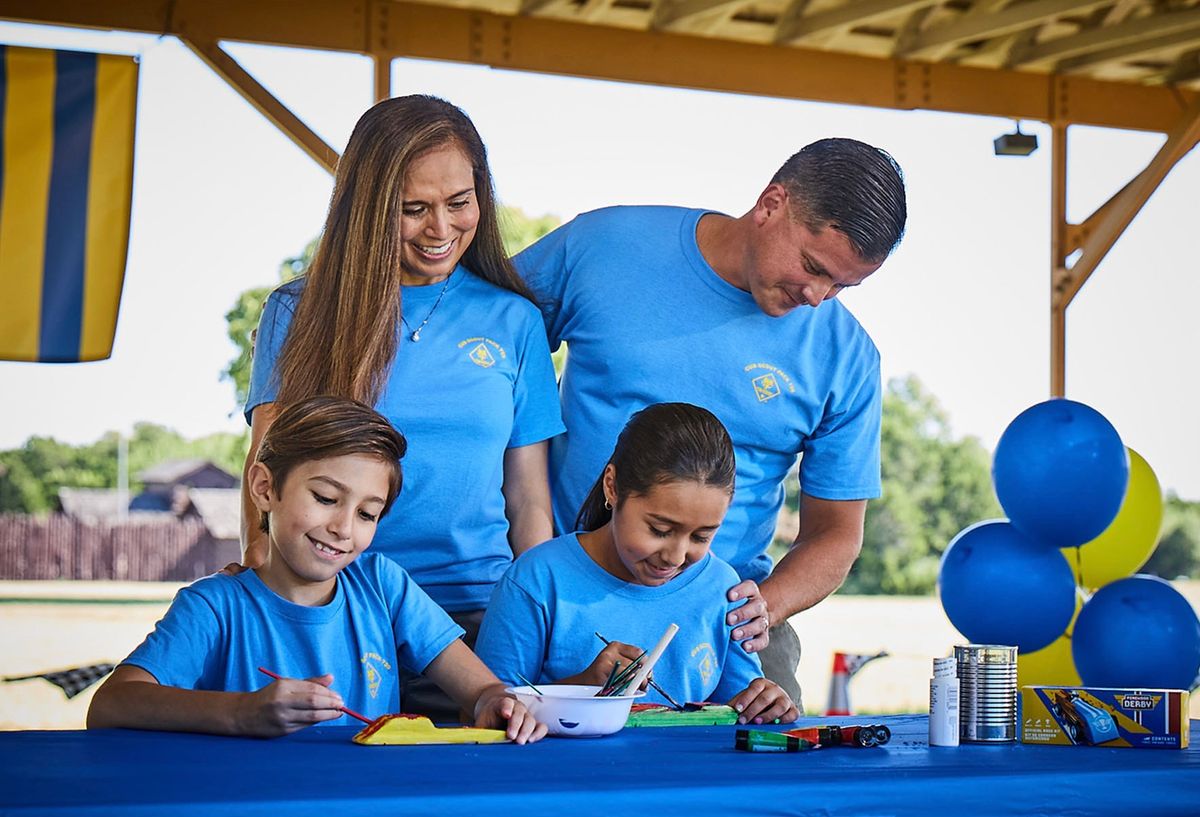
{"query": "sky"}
pixel 221 198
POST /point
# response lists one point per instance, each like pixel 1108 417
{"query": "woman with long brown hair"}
pixel 410 305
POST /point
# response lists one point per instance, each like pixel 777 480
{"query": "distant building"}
pixel 183 525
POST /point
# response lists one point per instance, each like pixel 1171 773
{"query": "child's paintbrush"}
pixel 652 659
pixel 674 704
pixel 345 709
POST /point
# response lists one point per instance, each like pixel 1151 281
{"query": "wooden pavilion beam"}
pixel 263 100
pixel 795 29
pixel 673 15
pixel 1132 50
pixel 553 46
pixel 983 26
pixel 1108 37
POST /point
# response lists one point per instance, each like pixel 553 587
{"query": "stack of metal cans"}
pixel 987 677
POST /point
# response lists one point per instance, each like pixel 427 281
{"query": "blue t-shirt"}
pixel 544 616
pixel 479 381
pixel 647 320
pixel 220 629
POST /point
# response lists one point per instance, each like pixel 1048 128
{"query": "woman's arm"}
pixel 527 496
pixel 254 541
pixel 132 699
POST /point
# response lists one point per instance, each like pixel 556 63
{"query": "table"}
pixel 660 771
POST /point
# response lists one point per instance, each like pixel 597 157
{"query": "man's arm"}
pixel 830 538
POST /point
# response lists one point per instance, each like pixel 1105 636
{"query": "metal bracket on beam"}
pixel 264 101
pixel 913 85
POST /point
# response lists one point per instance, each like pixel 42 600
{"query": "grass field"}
pixel 54 625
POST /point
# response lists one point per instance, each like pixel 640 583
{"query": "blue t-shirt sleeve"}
pixel 740 667
pixel 268 342
pixel 422 628
pixel 536 412
pixel 514 634
pixel 185 644
pixel 544 266
pixel 841 459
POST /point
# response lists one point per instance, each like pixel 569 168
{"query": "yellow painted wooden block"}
pixel 415 730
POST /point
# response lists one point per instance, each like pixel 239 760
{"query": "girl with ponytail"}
pixel 639 562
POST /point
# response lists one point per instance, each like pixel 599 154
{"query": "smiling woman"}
pixel 411 306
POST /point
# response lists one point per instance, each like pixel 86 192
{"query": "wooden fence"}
pixel 59 547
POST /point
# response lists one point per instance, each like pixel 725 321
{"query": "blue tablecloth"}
pixel 661 771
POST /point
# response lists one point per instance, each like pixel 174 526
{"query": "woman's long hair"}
pixel 664 442
pixel 343 336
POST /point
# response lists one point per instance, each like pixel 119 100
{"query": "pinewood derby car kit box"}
pixel 1094 716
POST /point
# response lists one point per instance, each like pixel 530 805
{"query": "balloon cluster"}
pixel 1084 512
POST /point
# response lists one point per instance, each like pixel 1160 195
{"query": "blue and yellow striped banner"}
pixel 66 179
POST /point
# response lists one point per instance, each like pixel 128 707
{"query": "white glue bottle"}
pixel 943 703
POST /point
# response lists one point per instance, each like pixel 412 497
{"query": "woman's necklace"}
pixel 416 333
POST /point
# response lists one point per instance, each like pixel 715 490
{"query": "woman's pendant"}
pixel 415 336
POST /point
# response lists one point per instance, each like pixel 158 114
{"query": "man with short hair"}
pixel 668 304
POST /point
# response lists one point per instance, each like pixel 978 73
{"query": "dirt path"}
pixel 54 625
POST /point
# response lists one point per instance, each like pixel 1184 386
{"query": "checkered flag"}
pixel 71 681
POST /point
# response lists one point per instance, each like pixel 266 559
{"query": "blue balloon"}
pixel 1060 472
pixel 998 586
pixel 1137 632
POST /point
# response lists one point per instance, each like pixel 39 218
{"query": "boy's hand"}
pixel 496 709
pixel 288 705
pixel 764 702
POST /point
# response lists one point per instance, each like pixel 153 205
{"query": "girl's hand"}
pixel 496 709
pixel 286 706
pixel 764 702
pixel 598 672
pixel 751 622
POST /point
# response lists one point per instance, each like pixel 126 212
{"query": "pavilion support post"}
pixel 383 77
pixel 1096 235
pixel 1058 258
pixel 264 101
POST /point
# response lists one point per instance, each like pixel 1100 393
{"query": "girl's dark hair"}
pixel 323 427
pixel 665 442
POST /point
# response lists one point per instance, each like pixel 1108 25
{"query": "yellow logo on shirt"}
pixel 705 659
pixel 484 352
pixel 480 356
pixel 765 387
pixel 374 665
pixel 771 383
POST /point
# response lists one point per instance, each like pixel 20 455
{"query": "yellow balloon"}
pixel 1053 665
pixel 1128 542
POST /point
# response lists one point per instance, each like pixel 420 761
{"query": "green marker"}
pixel 757 740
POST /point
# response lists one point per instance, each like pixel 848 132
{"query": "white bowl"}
pixel 573 710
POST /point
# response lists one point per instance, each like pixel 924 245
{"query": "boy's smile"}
pixel 321 519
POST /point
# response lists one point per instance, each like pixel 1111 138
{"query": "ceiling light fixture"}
pixel 1016 143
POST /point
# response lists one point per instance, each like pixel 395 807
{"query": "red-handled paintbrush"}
pixel 345 709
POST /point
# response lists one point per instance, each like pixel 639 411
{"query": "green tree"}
pixel 31 476
pixel 242 320
pixel 933 486
pixel 1178 550
pixel 517 230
